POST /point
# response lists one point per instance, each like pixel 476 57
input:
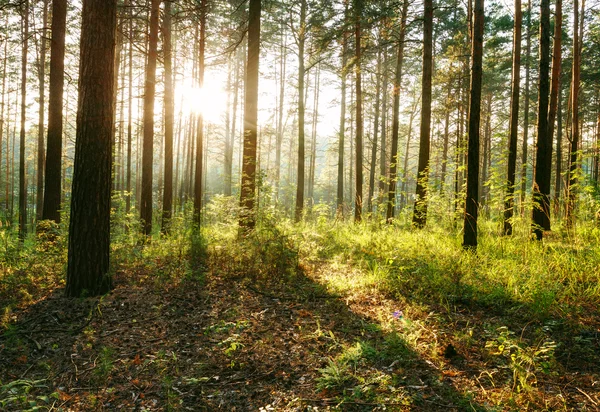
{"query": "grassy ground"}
pixel 322 316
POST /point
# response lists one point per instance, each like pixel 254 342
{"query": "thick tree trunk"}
pixel 53 190
pixel 471 206
pixel 509 201
pixel 248 185
pixel 543 157
pixel 420 209
pixel 148 145
pixel 89 227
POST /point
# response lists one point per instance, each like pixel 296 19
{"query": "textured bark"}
pixel 471 206
pixel 556 62
pixel 393 176
pixel 279 139
pixel 509 201
pixel 129 111
pixel 313 145
pixel 22 182
pixel 52 194
pixel 89 228
pixel 559 160
pixel 575 131
pixel 526 112
pixel 342 131
pixel 375 135
pixel 384 129
pixel 420 209
pixel 200 127
pixel 301 113
pixel 446 139
pixel 148 143
pixel 543 156
pixel 41 152
pixel 248 185
pixel 359 112
pixel 169 118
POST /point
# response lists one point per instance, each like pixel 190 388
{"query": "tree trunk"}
pixel 375 135
pixel 384 114
pixel 89 227
pixel 342 131
pixel 509 201
pixel 446 138
pixel 359 112
pixel 420 209
pixel 41 158
pixel 169 116
pixel 558 177
pixel 52 195
pixel 129 111
pixel 148 144
pixel 313 145
pixel 301 109
pixel 200 127
pixel 526 112
pixel 393 176
pixel 575 131
pixel 248 185
pixel 471 206
pixel 22 182
pixel 279 139
pixel 543 157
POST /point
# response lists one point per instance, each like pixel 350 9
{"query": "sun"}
pixel 210 101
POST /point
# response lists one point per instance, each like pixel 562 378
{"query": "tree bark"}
pixel 543 157
pixel 169 118
pixel 471 206
pixel 509 201
pixel 248 185
pixel 200 127
pixel 342 131
pixel 575 131
pixel 22 182
pixel 375 136
pixel 420 209
pixel 393 176
pixel 301 113
pixel 89 227
pixel 52 195
pixel 148 143
pixel 526 112
pixel 41 158
pixel 359 112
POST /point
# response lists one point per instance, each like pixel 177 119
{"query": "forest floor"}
pixel 265 324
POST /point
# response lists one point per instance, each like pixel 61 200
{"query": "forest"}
pixel 274 205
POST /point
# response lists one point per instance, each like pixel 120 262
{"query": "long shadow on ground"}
pixel 238 333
